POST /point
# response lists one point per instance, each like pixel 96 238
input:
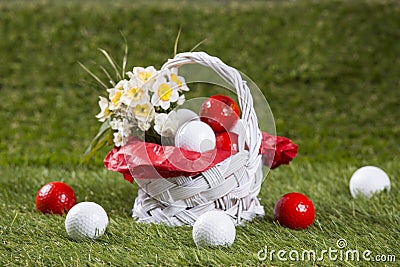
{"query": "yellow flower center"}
pixel 145 76
pixel 164 92
pixel 141 110
pixel 175 79
pixel 116 97
pixel 135 93
pixel 107 112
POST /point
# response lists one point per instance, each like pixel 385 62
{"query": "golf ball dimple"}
pixel 86 220
pixel 368 180
pixel 214 228
pixel 195 136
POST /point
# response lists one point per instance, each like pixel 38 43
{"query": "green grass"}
pixel 329 70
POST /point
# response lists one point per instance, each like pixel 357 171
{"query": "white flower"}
pixel 144 125
pixel 115 94
pixel 105 112
pixel 166 124
pixel 179 80
pixel 124 127
pixel 143 112
pixel 134 93
pixel 115 124
pixel 122 130
pixel 131 104
pixel 143 75
pixel 165 92
pixel 181 100
pixel 119 139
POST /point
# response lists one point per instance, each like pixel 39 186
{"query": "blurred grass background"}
pixel 329 70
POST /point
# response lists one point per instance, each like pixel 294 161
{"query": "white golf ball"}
pixel 86 220
pixel 368 180
pixel 185 115
pixel 195 136
pixel 214 228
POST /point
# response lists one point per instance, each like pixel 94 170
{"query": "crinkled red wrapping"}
pixel 277 150
pixel 150 160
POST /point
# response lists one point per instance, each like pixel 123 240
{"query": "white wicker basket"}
pixel 231 186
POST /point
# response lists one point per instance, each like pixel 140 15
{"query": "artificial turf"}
pixel 329 70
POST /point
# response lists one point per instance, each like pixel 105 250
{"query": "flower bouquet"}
pixel 187 162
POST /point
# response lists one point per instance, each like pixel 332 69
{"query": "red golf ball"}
pixel 220 112
pixel 227 141
pixel 295 211
pixel 56 198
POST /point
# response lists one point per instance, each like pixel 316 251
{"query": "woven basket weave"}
pixel 231 185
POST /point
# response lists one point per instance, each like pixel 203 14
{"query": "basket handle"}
pixel 233 78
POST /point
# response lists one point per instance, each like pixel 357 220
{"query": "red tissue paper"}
pixel 277 150
pixel 152 161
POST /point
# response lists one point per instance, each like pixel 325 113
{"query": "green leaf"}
pixel 108 75
pixel 103 137
pixel 112 63
pixel 125 58
pixel 93 75
pixel 177 41
pixel 197 45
